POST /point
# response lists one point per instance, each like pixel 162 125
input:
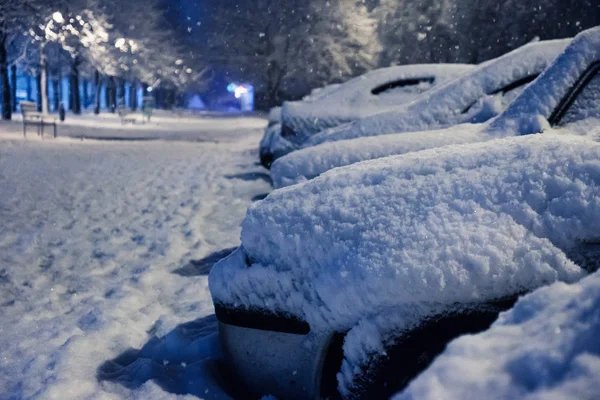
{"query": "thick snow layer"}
pixel 546 347
pixel 310 162
pixel 468 98
pixel 100 243
pixel 354 99
pixel 450 225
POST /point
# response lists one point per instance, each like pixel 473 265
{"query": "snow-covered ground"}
pixel 105 248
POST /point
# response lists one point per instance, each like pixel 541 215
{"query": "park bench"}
pixel 31 116
pixel 125 115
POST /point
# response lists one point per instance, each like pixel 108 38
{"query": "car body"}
pixel 474 97
pixel 366 94
pixel 310 162
pixel 354 281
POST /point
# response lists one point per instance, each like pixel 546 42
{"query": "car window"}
pixel 414 85
pixel 586 255
pixel 508 92
pixel 583 101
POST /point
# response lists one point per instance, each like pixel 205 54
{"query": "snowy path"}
pixel 97 249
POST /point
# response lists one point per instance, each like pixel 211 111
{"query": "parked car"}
pixel 474 97
pixel 361 276
pixel 366 94
pixel 576 63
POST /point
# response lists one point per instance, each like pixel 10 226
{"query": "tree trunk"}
pixel 107 93
pixel 76 99
pixel 13 88
pixel 6 106
pixel 133 95
pixel 113 94
pixel 29 89
pixel 97 92
pixel 43 94
pixel 38 85
pixel 121 99
pixel 84 89
pixel 56 90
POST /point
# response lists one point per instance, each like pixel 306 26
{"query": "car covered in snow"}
pixel 475 97
pixel 352 283
pixel 576 65
pixel 339 103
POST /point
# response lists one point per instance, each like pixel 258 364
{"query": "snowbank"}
pixel 459 101
pixel 355 99
pixel 546 347
pixel 450 225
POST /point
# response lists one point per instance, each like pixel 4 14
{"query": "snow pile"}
pixel 462 100
pixel 450 225
pixel 354 99
pixel 546 347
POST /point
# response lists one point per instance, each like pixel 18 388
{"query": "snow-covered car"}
pixel 576 63
pixel 336 104
pixel 354 281
pixel 545 347
pixel 351 283
pixel 369 93
pixel 474 97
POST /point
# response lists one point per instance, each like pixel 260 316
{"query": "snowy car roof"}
pixel 545 347
pixel 436 228
pixel 446 105
pixel 527 114
pixel 360 96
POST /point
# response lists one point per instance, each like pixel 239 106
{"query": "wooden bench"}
pixel 31 116
pixel 124 115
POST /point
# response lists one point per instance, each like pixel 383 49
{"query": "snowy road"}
pixel 101 251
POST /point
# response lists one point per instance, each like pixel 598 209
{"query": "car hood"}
pixel 452 225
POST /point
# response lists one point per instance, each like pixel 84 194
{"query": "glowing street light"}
pixel 119 43
pixel 57 16
pixel 239 91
